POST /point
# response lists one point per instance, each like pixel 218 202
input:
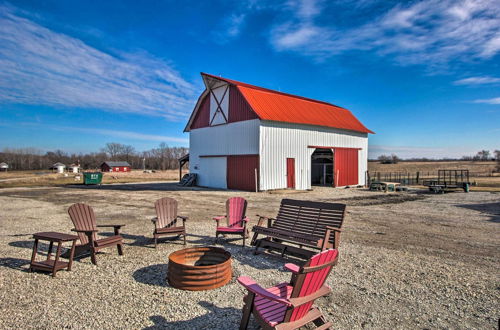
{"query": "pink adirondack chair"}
pixel 236 221
pixel 86 226
pixel 290 305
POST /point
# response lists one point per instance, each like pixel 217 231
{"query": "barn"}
pixel 115 167
pixel 251 138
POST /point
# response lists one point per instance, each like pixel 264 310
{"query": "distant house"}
pixel 74 168
pixel 4 167
pixel 59 167
pixel 115 167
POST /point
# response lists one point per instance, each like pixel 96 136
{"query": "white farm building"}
pixel 251 138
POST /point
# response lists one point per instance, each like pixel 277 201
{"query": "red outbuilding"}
pixel 115 167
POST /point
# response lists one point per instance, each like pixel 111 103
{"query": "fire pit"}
pixel 199 268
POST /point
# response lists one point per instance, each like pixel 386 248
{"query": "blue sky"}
pixel 424 75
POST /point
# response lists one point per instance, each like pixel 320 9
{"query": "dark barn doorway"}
pixel 322 167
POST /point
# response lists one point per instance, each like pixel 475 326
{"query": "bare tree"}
pixel 483 155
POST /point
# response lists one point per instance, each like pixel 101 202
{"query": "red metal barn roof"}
pixel 277 106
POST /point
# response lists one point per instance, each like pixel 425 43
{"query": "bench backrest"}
pixel 309 218
pixel 83 218
pixel 236 208
pixel 166 212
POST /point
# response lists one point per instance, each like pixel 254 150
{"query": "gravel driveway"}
pixel 409 260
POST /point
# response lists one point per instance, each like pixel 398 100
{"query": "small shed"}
pixel 74 168
pixel 119 166
pixel 4 167
pixel 58 167
pixel 251 138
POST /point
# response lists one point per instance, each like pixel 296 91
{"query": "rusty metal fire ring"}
pixel 199 268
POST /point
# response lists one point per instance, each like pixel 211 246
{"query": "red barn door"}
pixel 290 173
pixel 346 167
pixel 241 171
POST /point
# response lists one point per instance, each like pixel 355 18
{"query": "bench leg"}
pixel 33 255
pixel 247 310
pixel 254 239
pixel 256 250
pixel 71 255
pixel 120 249
pixel 92 255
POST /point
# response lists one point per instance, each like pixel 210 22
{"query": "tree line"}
pixel 161 158
pixel 483 155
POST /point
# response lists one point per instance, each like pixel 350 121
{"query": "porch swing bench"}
pixel 301 228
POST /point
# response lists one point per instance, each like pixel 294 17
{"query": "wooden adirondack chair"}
pixel 290 305
pixel 84 220
pixel 236 221
pixel 166 219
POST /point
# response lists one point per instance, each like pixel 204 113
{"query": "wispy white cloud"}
pixel 129 135
pixel 232 25
pixel 42 67
pixel 495 100
pixel 477 81
pixel 432 32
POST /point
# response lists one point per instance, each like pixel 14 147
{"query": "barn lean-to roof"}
pixel 282 107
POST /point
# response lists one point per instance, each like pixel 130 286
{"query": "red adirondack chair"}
pixel 236 221
pixel 166 219
pixel 86 226
pixel 290 305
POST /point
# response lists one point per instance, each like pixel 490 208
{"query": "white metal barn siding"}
pixel 239 138
pixel 279 141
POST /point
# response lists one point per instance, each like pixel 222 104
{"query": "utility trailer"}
pixel 449 180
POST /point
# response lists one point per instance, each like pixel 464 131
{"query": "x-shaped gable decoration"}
pixel 219 110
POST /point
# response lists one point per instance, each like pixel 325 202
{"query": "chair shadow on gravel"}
pixel 490 209
pixel 216 318
pixel 14 263
pixel 152 275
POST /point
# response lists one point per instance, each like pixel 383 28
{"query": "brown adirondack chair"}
pixel 166 219
pixel 84 220
pixel 236 221
pixel 290 305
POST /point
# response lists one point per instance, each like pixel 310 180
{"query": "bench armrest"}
pixel 333 228
pixel 292 267
pixel 84 231
pixel 220 217
pixel 183 218
pixel 116 228
pixel 262 218
pixel 323 291
pixel 253 287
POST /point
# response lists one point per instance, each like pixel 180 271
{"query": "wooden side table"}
pixel 52 265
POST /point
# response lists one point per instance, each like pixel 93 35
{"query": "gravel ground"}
pixel 409 260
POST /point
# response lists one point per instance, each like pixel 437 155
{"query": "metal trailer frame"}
pixel 449 180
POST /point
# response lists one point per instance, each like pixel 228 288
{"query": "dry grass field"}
pixel 40 178
pixel 407 260
pixel 474 167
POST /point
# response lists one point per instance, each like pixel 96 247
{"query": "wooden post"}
pixel 256 182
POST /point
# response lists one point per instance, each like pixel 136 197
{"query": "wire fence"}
pixel 416 178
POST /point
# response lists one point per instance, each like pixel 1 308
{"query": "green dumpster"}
pixel 92 178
